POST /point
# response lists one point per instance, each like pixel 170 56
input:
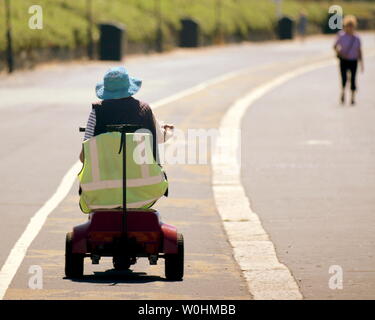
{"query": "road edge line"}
pixel 266 277
pixel 18 252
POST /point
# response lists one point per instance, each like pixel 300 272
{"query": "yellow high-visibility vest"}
pixel 101 175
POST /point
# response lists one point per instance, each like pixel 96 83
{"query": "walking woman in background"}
pixel 348 50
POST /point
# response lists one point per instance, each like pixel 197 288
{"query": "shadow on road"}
pixel 114 277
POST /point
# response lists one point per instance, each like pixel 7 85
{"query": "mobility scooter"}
pixel 124 234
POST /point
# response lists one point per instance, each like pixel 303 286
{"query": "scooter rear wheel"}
pixel 73 261
pixel 174 263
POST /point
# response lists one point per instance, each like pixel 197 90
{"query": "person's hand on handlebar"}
pixel 168 127
pixel 167 131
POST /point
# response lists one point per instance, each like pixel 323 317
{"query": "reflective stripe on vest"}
pixel 101 175
pixel 130 205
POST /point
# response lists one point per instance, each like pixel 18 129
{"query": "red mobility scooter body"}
pixel 100 233
pixel 124 234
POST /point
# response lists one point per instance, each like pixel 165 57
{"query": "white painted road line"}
pixel 199 87
pixel 267 278
pixel 18 252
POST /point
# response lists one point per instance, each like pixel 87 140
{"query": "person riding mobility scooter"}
pixel 119 182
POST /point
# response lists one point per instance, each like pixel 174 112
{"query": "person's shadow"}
pixel 115 277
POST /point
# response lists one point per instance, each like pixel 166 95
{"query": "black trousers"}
pixel 351 66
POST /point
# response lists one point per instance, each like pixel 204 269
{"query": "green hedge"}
pixel 65 21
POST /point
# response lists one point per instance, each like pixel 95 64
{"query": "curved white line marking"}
pixel 267 278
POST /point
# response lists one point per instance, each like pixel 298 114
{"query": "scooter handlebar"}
pixel 118 127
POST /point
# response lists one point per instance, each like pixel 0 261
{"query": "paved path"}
pixel 43 110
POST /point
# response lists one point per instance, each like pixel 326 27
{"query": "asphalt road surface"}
pixel 308 170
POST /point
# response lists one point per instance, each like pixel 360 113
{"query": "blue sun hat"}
pixel 117 84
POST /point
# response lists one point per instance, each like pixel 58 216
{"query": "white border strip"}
pixel 267 278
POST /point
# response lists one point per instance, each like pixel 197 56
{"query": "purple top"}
pixel 348 45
